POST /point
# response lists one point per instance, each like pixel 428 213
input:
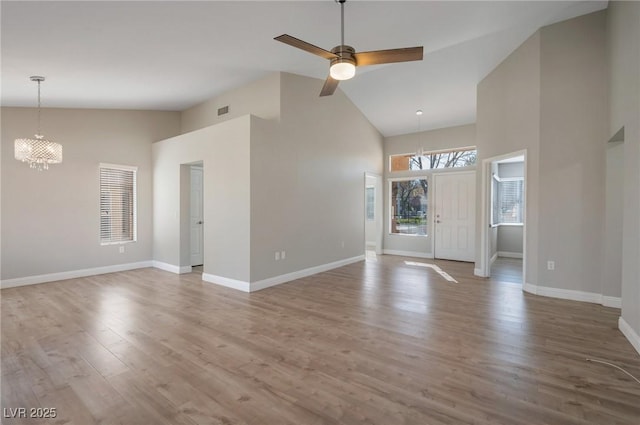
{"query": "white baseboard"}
pixel 407 253
pixel 277 280
pixel 493 258
pixel 615 302
pixel 530 288
pixel 52 277
pixel 508 254
pixel 629 333
pixel 568 294
pixel 478 272
pixel 171 268
pixel 225 281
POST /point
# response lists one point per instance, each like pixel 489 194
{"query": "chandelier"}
pixel 38 152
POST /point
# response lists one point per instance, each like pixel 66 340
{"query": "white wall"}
pixel 446 138
pixel 623 31
pixel 50 219
pixel 224 152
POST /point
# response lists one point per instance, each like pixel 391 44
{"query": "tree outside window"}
pixel 462 157
pixel 409 207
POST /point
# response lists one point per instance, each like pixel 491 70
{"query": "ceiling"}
pixel 164 55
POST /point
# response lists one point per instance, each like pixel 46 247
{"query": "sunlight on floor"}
pixel 438 270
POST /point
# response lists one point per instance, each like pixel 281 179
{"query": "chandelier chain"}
pixel 39 128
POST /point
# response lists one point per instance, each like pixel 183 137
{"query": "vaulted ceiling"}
pixel 172 55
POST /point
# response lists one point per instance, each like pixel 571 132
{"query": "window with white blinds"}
pixel 117 204
pixel 508 201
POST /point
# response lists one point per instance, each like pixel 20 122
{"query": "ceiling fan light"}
pixel 342 70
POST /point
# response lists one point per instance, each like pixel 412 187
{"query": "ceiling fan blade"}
pixel 330 86
pixel 377 57
pixel 307 47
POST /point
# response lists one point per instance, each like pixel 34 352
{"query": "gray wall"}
pixel 260 98
pixel 572 152
pixel 623 30
pixel 508 120
pixel 614 205
pixel 549 97
pixel 224 152
pixel 307 180
pixel 50 219
pixel 511 169
pixel 509 240
pixel 290 183
pixel 446 138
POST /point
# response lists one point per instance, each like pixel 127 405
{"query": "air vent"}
pixel 223 110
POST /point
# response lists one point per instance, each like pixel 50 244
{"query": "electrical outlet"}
pixel 551 265
pixel 283 255
pixel 277 255
pixel 121 249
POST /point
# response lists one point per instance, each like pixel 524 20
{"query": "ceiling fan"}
pixel 344 59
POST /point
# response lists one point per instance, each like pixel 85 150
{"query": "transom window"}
pixel 452 158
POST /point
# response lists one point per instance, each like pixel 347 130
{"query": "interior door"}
pixel 454 216
pixel 196 212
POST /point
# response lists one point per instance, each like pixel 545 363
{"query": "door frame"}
pixel 378 212
pixel 200 167
pixel 483 269
pixel 433 202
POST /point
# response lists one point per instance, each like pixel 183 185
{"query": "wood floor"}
pixel 376 342
pixel 507 270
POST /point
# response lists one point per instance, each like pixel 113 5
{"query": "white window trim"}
pixel 135 201
pixel 437 151
pixel 500 180
pixel 425 175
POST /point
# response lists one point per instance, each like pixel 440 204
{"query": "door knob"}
pixel 200 222
pixel 437 221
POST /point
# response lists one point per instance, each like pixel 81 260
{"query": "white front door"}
pixel 197 222
pixel 454 216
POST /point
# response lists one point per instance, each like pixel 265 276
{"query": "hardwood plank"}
pixel 386 341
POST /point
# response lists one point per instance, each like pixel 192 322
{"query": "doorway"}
pixel 196 215
pixel 372 215
pixel 454 216
pixel 504 218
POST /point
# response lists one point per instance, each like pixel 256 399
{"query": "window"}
pixel 462 157
pixel 117 204
pixel 371 198
pixel 409 207
pixel 507 202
